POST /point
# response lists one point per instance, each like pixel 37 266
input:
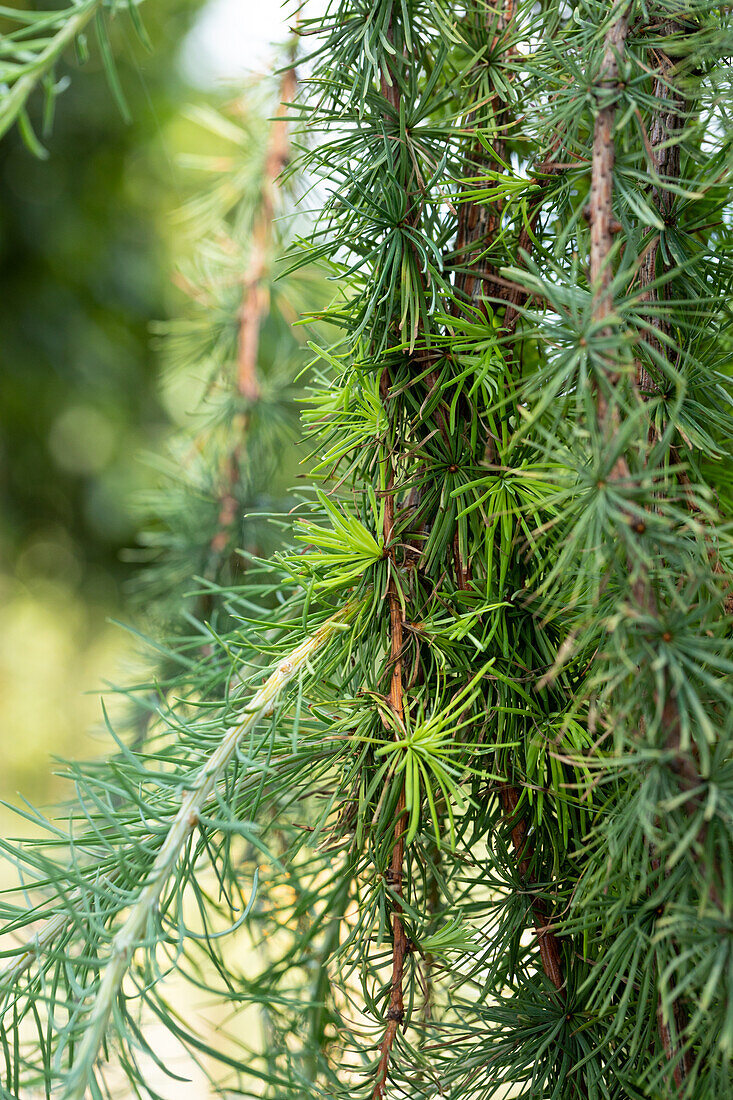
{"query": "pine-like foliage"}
pixel 476 822
pixel 33 43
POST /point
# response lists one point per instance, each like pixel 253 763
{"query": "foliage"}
pixel 487 821
pixel 33 44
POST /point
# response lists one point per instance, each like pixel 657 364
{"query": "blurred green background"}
pixel 85 267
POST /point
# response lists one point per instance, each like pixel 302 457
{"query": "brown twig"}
pixel 600 215
pixel 603 157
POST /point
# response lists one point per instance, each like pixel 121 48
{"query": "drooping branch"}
pixel 547 940
pixel 195 799
pixel 664 146
pixel 255 300
pixel 251 320
pixel 603 158
pixel 478 226
pixel 400 944
pixel 601 221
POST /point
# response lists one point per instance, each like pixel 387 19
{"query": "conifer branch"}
pixel 549 945
pixel 275 161
pixel 478 225
pixel 71 26
pixel 600 212
pixel 603 157
pixel 400 944
pixel 664 143
pixel 129 937
pixel 255 301
pixel 601 218
pixel 566 551
pixel 664 146
pixel 396 1008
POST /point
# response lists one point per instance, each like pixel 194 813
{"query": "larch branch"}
pixel 201 790
pixel 400 944
pixel 198 795
pixel 549 946
pixel 255 302
pixel 601 230
pixel 478 225
pixel 603 159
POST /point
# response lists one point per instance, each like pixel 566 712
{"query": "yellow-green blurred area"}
pixel 87 244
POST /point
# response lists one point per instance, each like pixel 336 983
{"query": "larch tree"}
pixel 436 770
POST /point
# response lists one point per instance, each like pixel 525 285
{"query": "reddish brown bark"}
pixel 400 944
